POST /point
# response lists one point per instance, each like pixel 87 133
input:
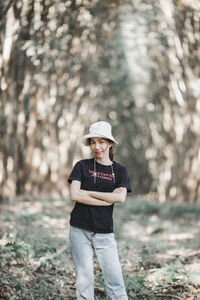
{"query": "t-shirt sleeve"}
pixel 76 173
pixel 124 180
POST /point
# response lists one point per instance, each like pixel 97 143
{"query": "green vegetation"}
pixel 158 247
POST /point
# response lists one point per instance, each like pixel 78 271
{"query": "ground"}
pixel 159 249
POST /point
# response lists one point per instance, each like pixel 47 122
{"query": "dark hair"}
pixel 111 153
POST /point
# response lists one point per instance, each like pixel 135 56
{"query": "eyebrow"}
pixel 101 139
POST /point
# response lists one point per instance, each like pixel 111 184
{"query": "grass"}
pixel 158 247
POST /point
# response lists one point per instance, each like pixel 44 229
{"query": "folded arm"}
pixel 82 196
pixel 117 196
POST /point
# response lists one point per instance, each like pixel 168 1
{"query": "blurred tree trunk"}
pixel 49 89
pixel 158 84
pixel 65 64
pixel 179 177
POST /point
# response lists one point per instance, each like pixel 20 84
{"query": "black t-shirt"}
pixel 98 219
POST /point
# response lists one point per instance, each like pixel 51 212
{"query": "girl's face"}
pixel 100 147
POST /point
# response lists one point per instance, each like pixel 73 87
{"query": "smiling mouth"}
pixel 98 153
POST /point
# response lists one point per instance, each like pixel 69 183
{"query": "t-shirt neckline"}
pixel 103 164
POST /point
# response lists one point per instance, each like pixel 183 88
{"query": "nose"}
pixel 97 145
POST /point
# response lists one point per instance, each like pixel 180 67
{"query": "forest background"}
pixel 66 64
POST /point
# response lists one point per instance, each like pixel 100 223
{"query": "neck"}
pixel 104 161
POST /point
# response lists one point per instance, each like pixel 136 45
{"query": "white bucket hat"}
pixel 99 129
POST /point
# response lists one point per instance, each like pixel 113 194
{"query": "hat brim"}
pixel 86 137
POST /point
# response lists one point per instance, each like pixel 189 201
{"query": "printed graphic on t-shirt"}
pixel 102 175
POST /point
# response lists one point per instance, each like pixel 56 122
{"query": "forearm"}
pixel 83 198
pixel 108 197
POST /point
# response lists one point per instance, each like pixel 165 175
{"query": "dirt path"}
pixel 159 247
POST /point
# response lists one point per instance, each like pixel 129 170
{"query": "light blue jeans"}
pixel 82 244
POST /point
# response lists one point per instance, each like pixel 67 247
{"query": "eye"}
pixel 102 141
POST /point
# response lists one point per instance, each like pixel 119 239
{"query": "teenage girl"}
pixel 96 184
